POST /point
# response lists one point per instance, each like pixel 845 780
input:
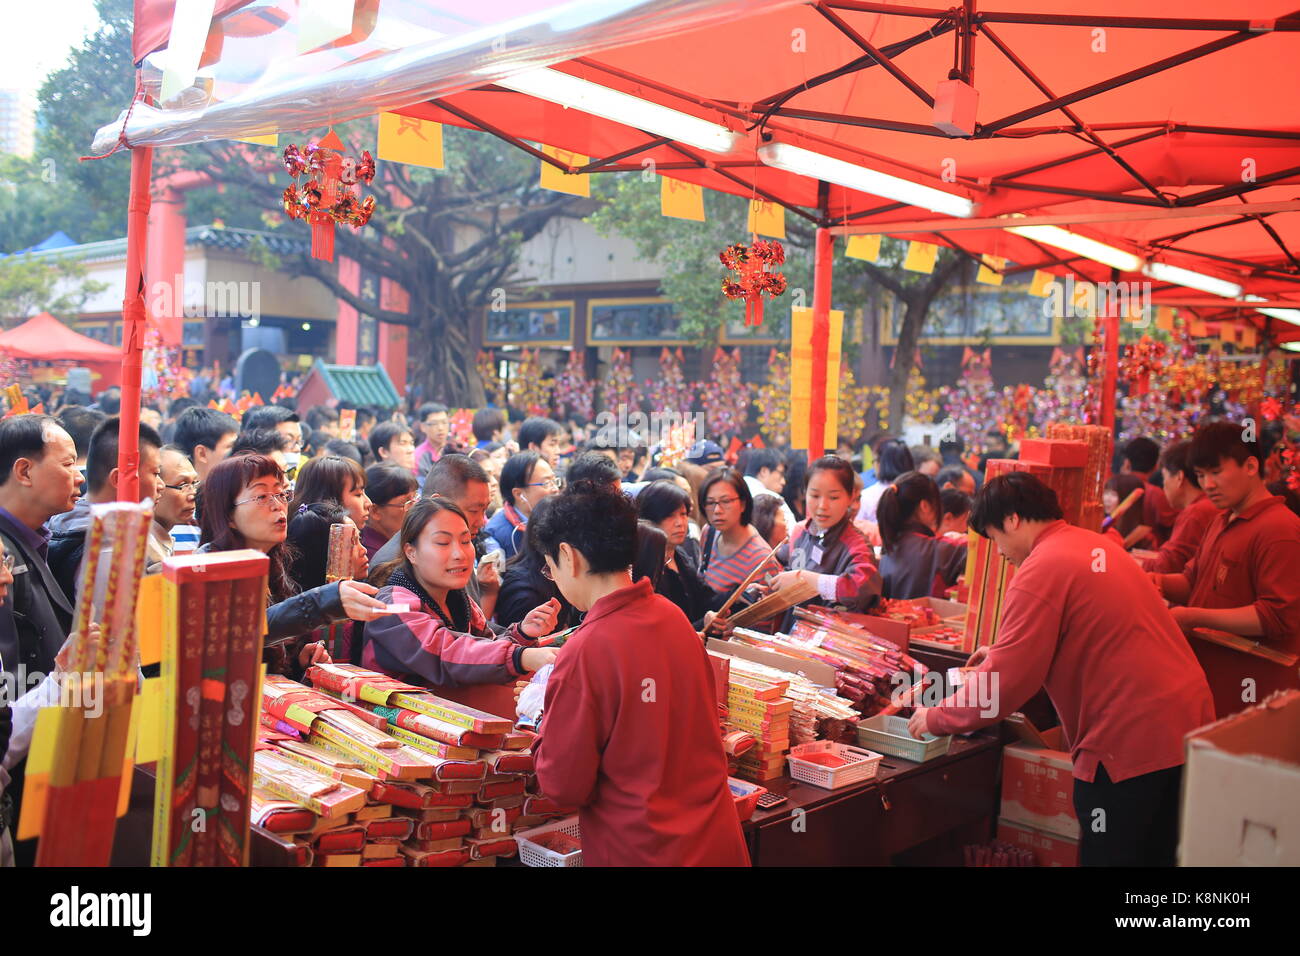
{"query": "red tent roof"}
pixel 43 338
pixel 1087 108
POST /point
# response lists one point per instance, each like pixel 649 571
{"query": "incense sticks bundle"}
pixel 774 604
pixel 79 759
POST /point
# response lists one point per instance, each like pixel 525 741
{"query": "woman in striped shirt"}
pixel 731 547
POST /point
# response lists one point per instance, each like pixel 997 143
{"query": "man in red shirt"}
pixel 1195 510
pixel 1141 455
pixel 629 732
pixel 1081 620
pixel 1243 579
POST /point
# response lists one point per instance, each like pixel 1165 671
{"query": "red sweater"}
pixel 1189 528
pixel 1251 558
pixel 630 737
pixel 1084 621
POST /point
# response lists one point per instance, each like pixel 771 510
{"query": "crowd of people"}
pixel 470 553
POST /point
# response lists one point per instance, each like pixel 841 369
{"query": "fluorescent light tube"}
pixel 571 92
pixel 1286 315
pixel 1163 272
pixel 1080 245
pixel 804 162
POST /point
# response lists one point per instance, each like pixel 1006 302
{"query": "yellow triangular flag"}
pixel 921 256
pixel 680 199
pixel 1041 284
pixel 1165 318
pixel 270 139
pixel 409 140
pixel 990 272
pixel 766 218
pixel 866 248
pixel 323 21
pixel 574 184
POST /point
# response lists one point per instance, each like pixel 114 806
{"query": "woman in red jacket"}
pixel 629 733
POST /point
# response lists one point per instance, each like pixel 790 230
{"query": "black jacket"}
pixel 66 551
pixel 524 587
pixel 685 588
pixel 36 616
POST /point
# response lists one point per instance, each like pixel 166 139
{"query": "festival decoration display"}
pixel 164 376
pixel 619 386
pixel 460 428
pixel 772 399
pixel 574 394
pixel 670 393
pixel 327 199
pixel 527 390
pixel 486 366
pixel 675 445
pixel 753 277
pixel 725 397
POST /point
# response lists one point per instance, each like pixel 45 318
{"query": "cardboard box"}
pixel 1038 784
pixel 1241 788
pixel 1049 849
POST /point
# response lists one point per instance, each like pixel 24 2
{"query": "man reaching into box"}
pixel 1082 620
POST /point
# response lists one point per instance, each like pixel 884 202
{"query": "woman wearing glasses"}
pixel 732 546
pixel 246 506
pixel 392 490
pixel 444 640
pixel 526 478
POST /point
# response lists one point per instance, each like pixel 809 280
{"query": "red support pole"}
pixel 821 336
pixel 133 326
pixel 1110 370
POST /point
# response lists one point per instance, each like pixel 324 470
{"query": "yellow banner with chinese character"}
pixel 921 257
pixel 991 270
pixel 557 180
pixel 410 140
pixel 766 218
pixel 1041 284
pixel 681 200
pixel 801 375
pixel 866 248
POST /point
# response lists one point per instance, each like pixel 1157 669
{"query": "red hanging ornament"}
pixel 327 199
pixel 753 278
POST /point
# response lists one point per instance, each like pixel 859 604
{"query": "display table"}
pixel 910 813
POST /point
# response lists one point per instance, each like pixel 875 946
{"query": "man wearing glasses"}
pixel 175 506
pixel 436 425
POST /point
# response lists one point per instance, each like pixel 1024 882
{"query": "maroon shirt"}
pixel 630 737
pixel 1083 621
pixel 1189 529
pixel 1157 513
pixel 1249 559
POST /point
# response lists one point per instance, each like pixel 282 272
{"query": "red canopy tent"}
pixel 43 338
pixel 1168 139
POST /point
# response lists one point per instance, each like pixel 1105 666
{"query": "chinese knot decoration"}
pixel 327 199
pixel 753 280
pixel 1141 360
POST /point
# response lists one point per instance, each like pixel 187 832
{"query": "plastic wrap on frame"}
pixel 400 52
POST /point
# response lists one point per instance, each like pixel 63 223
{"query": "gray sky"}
pixel 38 39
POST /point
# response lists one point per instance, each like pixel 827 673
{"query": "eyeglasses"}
pixel 267 501
pixel 554 484
pixel 404 505
pixel 546 570
pixel 185 487
pixel 712 503
pixel 7 562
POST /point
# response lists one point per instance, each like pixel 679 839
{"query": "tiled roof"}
pixel 216 237
pixel 360 384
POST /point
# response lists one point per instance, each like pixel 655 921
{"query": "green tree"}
pixel 29 285
pixel 449 237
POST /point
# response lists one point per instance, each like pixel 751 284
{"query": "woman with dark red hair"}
pixel 245 505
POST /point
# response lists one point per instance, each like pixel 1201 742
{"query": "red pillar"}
pixel 133 317
pixel 821 334
pixel 394 339
pixel 345 327
pixel 165 256
pixel 1110 367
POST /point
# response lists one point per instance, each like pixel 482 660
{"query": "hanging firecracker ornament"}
pixel 753 280
pixel 327 199
pixel 1141 359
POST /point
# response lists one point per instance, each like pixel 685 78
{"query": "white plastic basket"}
pixel 858 764
pixel 530 854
